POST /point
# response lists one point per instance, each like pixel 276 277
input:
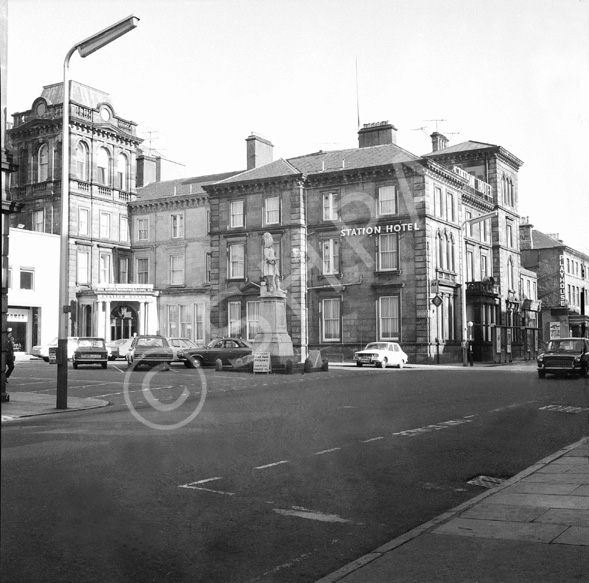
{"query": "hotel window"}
pixel 330 254
pixel 330 206
pixel 468 217
pixel 105 268
pixel 83 265
pixel 105 221
pixel 82 162
pixel 272 210
pixel 124 226
pixel 27 278
pixel 469 266
pixel 388 252
pixel 441 251
pixel 142 270
pixel 142 229
pixel 102 167
pixel 509 234
pixel 236 216
pixel 176 269
pixel 331 321
pixel 172 320
pixel 42 163
pixel 485 230
pixel 208 268
pixel 122 172
pixel 124 270
pixel 234 316
pixel 83 221
pixel 177 226
pixel 450 206
pixel 388 316
pixel 253 319
pixel 387 200
pixel 510 274
pixel 199 322
pixel 484 266
pixel 185 323
pixel 438 205
pixel 39 221
pixel 237 261
pixel 450 264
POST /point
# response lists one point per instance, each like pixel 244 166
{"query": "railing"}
pixel 105 191
pixel 479 287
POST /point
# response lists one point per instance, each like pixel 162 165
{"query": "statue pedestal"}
pixel 273 336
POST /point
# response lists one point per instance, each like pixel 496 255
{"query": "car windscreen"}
pixel 91 343
pixel 565 345
pixel 377 346
pixel 150 342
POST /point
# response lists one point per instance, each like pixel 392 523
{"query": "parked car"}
pixel 180 344
pixel 72 342
pixel 381 354
pixel 149 350
pixel 227 349
pixel 119 348
pixel 565 356
pixel 90 351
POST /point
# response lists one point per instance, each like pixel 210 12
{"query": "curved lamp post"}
pixel 84 48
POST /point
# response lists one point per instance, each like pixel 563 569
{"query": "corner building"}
pixel 371 247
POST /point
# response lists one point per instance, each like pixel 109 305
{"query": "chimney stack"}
pixel 377 134
pixel 260 151
pixel 526 240
pixel 439 141
pixel 149 169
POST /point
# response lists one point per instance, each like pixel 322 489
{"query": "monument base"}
pixel 273 337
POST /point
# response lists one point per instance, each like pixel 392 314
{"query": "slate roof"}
pixel 180 187
pixel 462 147
pixel 80 93
pixel 327 161
pixel 542 241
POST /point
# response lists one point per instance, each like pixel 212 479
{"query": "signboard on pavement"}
pixel 262 362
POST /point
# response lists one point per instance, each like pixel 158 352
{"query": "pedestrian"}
pixel 9 354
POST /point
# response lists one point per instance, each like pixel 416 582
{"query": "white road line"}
pixel 311 515
pixel 369 440
pixel 193 486
pixel 271 465
pixel 326 451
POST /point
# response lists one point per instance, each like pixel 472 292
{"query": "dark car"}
pixel 229 350
pixel 149 350
pixel 565 356
pixel 90 351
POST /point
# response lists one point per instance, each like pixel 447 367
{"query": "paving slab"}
pixel 565 516
pixel 574 535
pixel 542 500
pixel 504 512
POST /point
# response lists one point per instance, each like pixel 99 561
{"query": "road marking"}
pixel 193 486
pixel 435 427
pixel 271 465
pixel 326 451
pixel 563 409
pixel 311 515
pixel 369 440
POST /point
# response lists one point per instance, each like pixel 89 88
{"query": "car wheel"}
pixel 401 363
pixel 198 362
pixel 103 364
pixel 585 371
pixel 75 364
pixel 378 364
pixel 542 374
pixel 46 358
pixel 358 363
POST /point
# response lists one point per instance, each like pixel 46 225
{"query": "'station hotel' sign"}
pixel 379 229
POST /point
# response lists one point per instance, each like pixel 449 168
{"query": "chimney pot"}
pixel 439 141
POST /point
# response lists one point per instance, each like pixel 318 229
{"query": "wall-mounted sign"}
pixel 554 330
pixel 379 229
pixel 562 287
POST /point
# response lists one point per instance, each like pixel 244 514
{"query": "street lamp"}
pixel 473 221
pixel 84 48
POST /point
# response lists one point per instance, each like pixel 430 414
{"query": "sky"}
pixel 199 76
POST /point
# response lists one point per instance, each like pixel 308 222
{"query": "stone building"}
pixel 563 282
pixel 104 150
pixel 371 246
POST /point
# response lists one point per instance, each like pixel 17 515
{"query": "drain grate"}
pixel 486 481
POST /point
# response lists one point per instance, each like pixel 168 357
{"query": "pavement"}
pixel 532 528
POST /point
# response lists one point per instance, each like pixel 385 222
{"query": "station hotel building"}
pixel 374 242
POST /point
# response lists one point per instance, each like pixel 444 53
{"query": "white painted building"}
pixel 33 287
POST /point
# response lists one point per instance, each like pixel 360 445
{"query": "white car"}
pixel 177 344
pixel 381 355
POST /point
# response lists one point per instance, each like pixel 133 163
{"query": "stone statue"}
pixel 270 269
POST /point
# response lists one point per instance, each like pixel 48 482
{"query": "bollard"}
pixel 218 364
pixel 325 365
pixel 308 365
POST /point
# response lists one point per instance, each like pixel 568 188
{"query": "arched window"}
pixel 511 193
pixel 510 274
pixel 450 247
pixel 42 163
pixel 122 172
pixel 440 249
pixel 82 161
pixel 103 166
